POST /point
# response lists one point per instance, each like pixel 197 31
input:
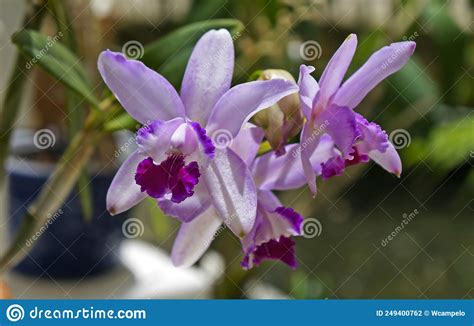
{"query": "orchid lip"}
pixel 279 249
pixel 272 238
pixel 169 178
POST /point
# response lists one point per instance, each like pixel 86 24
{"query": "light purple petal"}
pixel 286 172
pixel 232 190
pixel 208 74
pixel 334 72
pixel 247 143
pixel 123 192
pixel 325 151
pixel 372 137
pixel 270 236
pixel 278 220
pixel 333 167
pixel 154 139
pixel 309 140
pixel 308 89
pixel 184 139
pixel 191 207
pixel 242 101
pixel 379 66
pixel 268 200
pixel 389 160
pixel 375 144
pixel 145 94
pixel 279 173
pixel 340 123
pixel 194 238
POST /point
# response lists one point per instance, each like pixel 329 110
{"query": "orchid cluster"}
pixel 208 185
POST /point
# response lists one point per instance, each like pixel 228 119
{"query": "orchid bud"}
pixel 282 120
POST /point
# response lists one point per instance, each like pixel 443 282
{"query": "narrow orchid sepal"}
pixel 194 238
pixel 145 94
pixel 379 66
pixel 389 160
pixel 123 193
pixel 208 74
pixel 308 89
pixel 335 70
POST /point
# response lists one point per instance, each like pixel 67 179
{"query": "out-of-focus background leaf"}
pixel 56 60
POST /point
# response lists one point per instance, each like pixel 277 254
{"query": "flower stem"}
pixel 53 194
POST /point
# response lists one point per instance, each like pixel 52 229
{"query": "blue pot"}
pixel 67 246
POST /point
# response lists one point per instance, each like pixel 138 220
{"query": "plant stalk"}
pixel 53 194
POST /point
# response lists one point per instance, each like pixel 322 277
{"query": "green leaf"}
pixel 56 59
pixel 75 124
pixel 169 55
pixel 173 70
pixel 446 147
pixel 203 9
pixel 122 121
pixel 85 195
pixel 75 108
pixel 63 22
pixel 412 84
pixel 160 224
pixel 449 43
pixel 12 101
pixel 451 144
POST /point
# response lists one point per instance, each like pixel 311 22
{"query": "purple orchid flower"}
pixel 175 149
pixel 270 236
pixel 328 108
